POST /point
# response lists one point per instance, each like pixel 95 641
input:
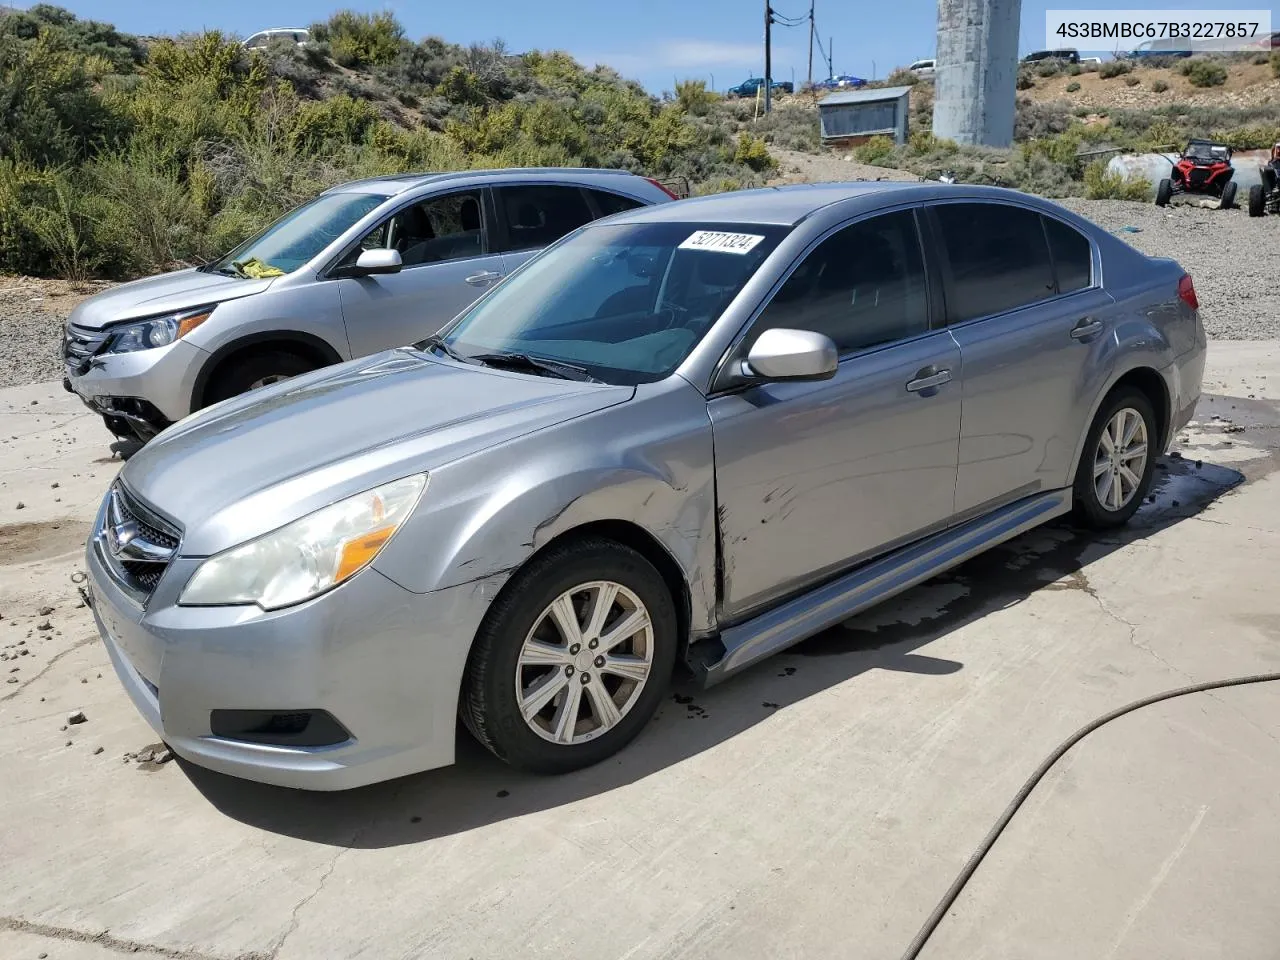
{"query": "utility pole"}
pixel 831 56
pixel 768 57
pixel 811 29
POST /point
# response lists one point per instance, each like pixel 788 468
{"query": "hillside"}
pixel 120 156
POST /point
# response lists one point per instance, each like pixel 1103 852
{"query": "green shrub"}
pixel 1132 81
pixel 1100 184
pixel 1159 86
pixel 901 77
pixel 1275 63
pixel 792 126
pixel 924 143
pixel 1024 81
pixel 1114 68
pixel 1074 70
pixel 1255 137
pixel 877 151
pixel 1048 68
pixel 361 39
pixel 1073 87
pixel 694 98
pixel 752 152
pixel 1204 73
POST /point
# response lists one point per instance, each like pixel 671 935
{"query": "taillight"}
pixel 1187 292
pixel 664 189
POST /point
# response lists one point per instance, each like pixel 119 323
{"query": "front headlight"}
pixel 309 556
pixel 156 332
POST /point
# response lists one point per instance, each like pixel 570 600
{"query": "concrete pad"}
pixel 817 806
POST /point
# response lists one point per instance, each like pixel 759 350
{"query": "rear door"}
pixel 814 477
pixel 531 216
pixel 1024 305
pixel 445 244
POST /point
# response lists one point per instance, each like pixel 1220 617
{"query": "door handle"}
pixel 926 380
pixel 1086 328
pixel 480 279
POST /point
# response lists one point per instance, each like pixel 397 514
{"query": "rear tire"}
pixel 1109 487
pixel 1268 179
pixel 522 649
pixel 1228 196
pixel 254 371
pixel 1257 200
pixel 1164 191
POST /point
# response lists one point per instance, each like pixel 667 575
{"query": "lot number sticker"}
pixel 721 242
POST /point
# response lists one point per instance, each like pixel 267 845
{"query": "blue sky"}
pixel 655 41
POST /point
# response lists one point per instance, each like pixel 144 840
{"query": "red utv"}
pixel 1204 168
pixel 1265 197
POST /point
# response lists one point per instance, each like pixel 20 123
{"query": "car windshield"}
pixel 297 237
pixel 1206 151
pixel 622 303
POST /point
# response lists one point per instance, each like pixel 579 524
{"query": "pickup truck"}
pixel 751 86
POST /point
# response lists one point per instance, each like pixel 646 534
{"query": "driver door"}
pixel 448 264
pixel 814 477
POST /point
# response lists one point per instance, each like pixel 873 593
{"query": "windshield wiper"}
pixel 434 341
pixel 522 361
pixel 231 271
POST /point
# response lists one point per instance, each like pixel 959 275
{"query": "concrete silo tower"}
pixel 976 71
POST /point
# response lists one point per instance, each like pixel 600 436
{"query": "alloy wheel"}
pixel 585 662
pixel 1120 459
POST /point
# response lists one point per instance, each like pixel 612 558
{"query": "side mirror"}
pixel 372 262
pixel 781 354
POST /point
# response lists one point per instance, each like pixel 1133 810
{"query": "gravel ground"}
pixel 32 313
pixel 1229 256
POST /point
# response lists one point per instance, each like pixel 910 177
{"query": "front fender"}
pixel 646 462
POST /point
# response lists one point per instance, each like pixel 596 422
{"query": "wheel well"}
pixel 640 540
pixel 312 349
pixel 1153 387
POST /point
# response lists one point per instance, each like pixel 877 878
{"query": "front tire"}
pixel 1257 200
pixel 1118 461
pixel 1228 195
pixel 254 371
pixel 572 659
pixel 1164 192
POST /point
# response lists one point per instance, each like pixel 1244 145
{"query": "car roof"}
pixel 782 206
pixel 395 183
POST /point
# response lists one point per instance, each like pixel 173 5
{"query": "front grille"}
pixel 136 545
pixel 1199 177
pixel 80 345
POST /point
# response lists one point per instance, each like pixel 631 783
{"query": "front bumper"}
pixel 386 663
pixel 163 377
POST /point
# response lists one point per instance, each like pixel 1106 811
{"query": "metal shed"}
pixel 856 115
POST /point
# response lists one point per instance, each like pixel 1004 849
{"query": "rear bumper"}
pixel 387 664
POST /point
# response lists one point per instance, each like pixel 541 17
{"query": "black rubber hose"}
pixel 949 898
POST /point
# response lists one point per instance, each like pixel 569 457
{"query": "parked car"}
pixel 1066 56
pixel 843 82
pixel 363 267
pixel 1164 47
pixel 296 35
pixel 751 87
pixel 924 69
pixel 696 432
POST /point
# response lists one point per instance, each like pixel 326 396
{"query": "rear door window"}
pixel 538 215
pixel 998 258
pixel 1072 255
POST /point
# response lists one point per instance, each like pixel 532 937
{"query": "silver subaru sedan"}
pixel 683 437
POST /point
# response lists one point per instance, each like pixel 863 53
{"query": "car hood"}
pixel 255 462
pixel 151 296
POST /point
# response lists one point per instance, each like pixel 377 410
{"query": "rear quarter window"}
pixel 611 203
pixel 1072 255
